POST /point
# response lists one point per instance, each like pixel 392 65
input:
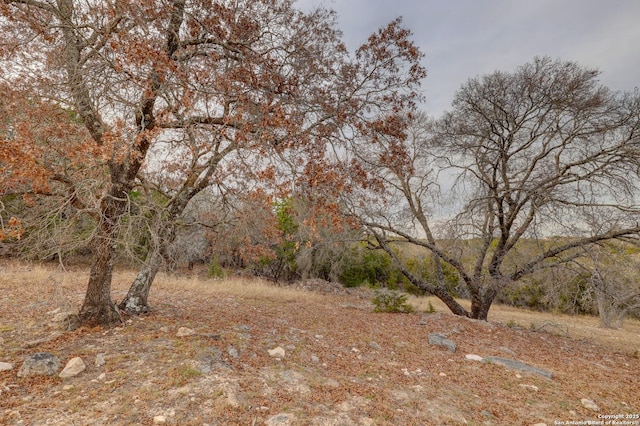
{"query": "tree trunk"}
pixel 451 303
pixel 481 301
pixel 480 309
pixel 98 308
pixel 136 300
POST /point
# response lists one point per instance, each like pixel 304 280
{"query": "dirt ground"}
pixel 343 364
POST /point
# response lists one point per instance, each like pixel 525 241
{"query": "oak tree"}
pixel 177 95
pixel 46 164
pixel 543 155
pixel 285 94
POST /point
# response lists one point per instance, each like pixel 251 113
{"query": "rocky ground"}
pixel 250 354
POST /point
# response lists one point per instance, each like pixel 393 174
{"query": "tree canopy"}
pixel 539 152
pixel 202 81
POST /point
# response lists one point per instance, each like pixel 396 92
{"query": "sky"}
pixel 462 39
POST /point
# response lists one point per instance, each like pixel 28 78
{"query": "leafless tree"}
pixel 613 282
pixel 544 151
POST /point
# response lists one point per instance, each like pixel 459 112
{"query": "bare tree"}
pixel 613 272
pixel 541 152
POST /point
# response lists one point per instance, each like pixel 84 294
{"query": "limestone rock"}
pixel 439 340
pixel 39 364
pixel 5 366
pixel 277 352
pixel 159 420
pixel 517 365
pixel 280 420
pixel 473 357
pixel 99 360
pixel 74 367
pixel 589 404
pixel 184 331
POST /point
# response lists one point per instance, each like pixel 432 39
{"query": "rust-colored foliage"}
pixel 180 95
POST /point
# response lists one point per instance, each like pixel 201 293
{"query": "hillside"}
pixel 203 358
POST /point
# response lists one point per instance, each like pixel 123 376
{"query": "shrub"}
pixel 363 266
pixel 391 301
pixel 215 269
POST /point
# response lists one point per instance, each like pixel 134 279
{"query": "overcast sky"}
pixel 465 38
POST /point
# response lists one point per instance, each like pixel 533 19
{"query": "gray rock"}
pixel 294 382
pixel 99 360
pixel 439 340
pixel 233 352
pixel 376 346
pixel 280 420
pixel 39 364
pixel 211 360
pixel 517 365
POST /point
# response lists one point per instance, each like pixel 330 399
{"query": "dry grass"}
pixel 249 288
pixel 626 338
pixel 344 364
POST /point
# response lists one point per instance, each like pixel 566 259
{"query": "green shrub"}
pixel 363 266
pixel 391 301
pixel 215 269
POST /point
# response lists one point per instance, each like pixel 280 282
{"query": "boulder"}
pixel 40 364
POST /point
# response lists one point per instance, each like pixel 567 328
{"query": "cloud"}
pixel 465 38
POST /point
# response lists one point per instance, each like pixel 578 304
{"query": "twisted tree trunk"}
pixel 136 300
pixel 98 308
